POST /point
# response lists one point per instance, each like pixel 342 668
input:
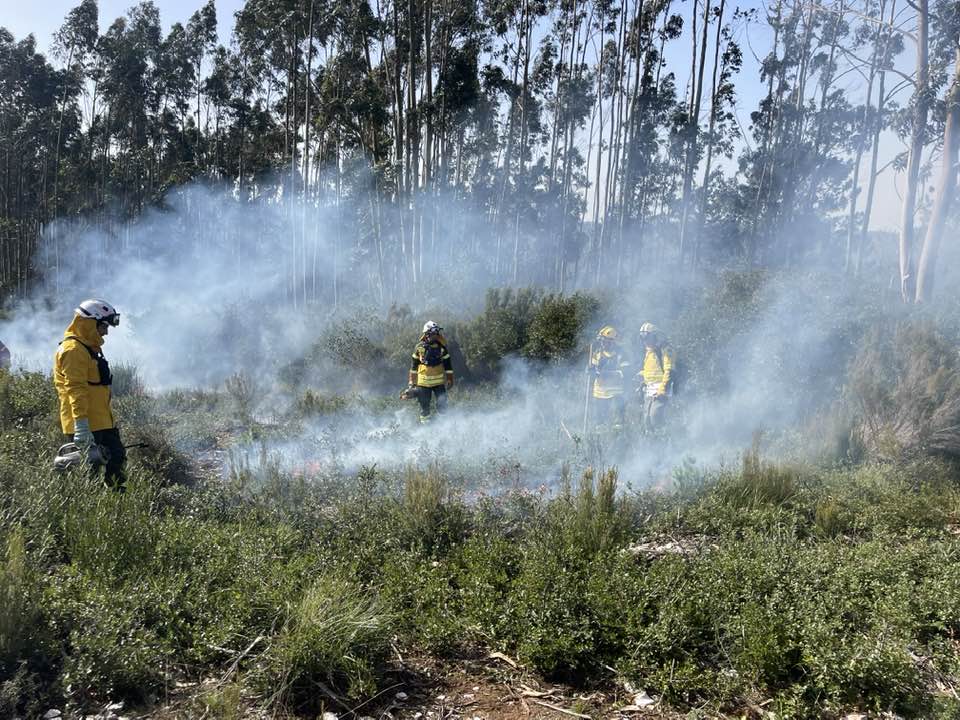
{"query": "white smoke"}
pixel 212 285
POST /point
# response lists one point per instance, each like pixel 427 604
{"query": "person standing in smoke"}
pixel 655 377
pixel 82 378
pixel 4 357
pixel 431 371
pixel 607 364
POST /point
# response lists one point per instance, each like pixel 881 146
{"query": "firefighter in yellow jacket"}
pixel 431 371
pixel 607 363
pixel 82 377
pixel 654 376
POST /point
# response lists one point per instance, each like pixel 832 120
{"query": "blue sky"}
pixel 44 17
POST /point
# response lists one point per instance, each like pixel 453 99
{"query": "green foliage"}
pixel 242 392
pixel 23 636
pixel 366 351
pixel 27 400
pixel 823 590
pixel 429 514
pixel 556 330
pixel 224 703
pixel 126 381
pixel 500 330
pixel 113 652
pixel 526 322
pixel 759 482
pixel 335 632
pixel 313 403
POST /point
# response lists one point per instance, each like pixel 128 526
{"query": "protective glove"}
pixel 81 433
pixel 449 380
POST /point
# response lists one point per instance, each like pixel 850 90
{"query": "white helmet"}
pixel 648 328
pixel 431 328
pixel 99 310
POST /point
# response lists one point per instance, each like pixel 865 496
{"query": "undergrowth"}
pixel 812 590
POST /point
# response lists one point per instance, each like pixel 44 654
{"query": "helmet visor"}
pixel 112 320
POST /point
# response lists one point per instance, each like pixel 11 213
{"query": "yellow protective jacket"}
pixel 608 364
pixel 431 363
pixel 657 366
pixel 76 375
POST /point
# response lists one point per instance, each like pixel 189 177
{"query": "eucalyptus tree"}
pixel 201 38
pixel 945 54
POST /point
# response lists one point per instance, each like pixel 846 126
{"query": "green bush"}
pixel 27 401
pixel 25 646
pixel 759 483
pixel 555 332
pixel 111 649
pixel 336 633
pixel 823 590
pixel 422 598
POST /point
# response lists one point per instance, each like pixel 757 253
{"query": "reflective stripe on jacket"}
pixel 608 365
pixel 431 375
pixel 657 366
pixel 77 376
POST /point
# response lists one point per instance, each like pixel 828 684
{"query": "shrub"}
pixel 126 381
pixel 500 330
pixel 25 648
pixel 759 482
pixel 108 534
pixel 433 521
pixel 907 387
pixel 422 598
pixel 487 565
pixel 335 632
pixel 27 400
pixel 558 627
pixel 555 331
pixel 242 392
pixel 110 652
pixel 312 403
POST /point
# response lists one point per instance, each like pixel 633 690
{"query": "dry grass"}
pixel 907 388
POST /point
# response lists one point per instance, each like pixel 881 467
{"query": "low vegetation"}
pixel 811 589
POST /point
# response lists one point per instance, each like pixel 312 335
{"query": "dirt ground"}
pixel 485 688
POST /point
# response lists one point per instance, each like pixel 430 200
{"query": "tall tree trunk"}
pixel 568 137
pixel 711 140
pixel 527 27
pixel 918 129
pixel 428 88
pixel 56 174
pixel 946 188
pixel 306 145
pixel 693 130
pixel 852 230
pixel 398 142
pixel 597 239
pixel 876 129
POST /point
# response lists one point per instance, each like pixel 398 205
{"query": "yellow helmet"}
pixel 608 331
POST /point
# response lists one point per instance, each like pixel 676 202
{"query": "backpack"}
pixel 678 376
pixel 432 354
